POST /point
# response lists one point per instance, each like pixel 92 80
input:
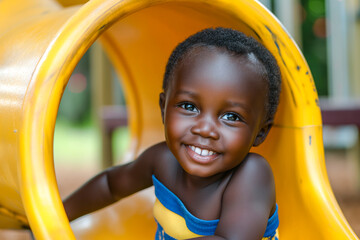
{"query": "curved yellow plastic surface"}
pixel 40 44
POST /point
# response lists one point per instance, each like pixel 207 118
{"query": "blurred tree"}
pixel 75 102
pixel 314 41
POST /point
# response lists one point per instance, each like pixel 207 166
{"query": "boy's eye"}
pixel 231 117
pixel 189 107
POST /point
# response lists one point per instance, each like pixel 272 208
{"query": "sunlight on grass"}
pixel 81 145
pixel 76 145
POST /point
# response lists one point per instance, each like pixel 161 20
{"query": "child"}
pixel 220 93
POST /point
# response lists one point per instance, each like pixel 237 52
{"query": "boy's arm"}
pixel 93 195
pixel 112 184
pixel 247 202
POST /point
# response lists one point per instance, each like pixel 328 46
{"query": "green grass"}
pixel 81 144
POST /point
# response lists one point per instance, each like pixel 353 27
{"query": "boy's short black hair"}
pixel 237 43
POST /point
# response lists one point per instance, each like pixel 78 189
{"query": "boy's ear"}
pixel 162 105
pixel 263 133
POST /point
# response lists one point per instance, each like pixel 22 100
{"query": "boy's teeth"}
pixel 202 152
pixel 198 150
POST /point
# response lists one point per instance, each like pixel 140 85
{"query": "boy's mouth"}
pixel 201 155
pixel 201 151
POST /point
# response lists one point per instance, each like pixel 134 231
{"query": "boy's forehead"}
pixel 218 64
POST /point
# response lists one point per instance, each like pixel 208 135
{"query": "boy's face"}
pixel 214 111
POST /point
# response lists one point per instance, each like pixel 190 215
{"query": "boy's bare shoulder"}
pixel 157 151
pixel 248 200
pixel 254 175
pixel 163 161
pixel 251 192
pixel 254 165
pixel 255 168
pixel 157 154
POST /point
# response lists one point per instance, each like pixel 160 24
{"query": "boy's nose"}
pixel 206 128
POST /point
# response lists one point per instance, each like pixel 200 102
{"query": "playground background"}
pixel 85 141
pixel 318 26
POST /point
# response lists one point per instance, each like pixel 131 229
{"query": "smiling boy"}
pixel 220 93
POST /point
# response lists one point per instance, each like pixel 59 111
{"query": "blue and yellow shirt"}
pixel 176 222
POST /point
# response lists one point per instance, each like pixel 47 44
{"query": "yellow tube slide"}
pixel 40 44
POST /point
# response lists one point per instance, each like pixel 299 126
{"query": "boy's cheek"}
pixel 176 127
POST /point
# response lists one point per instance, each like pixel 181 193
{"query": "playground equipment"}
pixel 40 44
